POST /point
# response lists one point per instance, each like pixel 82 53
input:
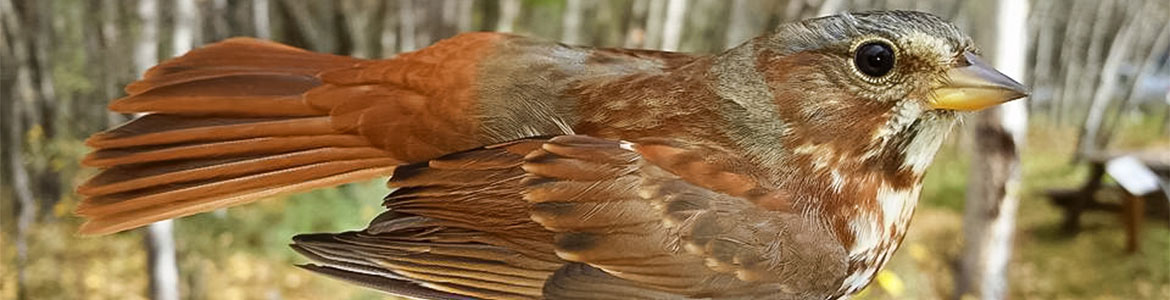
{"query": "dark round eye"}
pixel 874 59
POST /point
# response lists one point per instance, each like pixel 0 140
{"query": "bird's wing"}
pixel 457 227
pixel 245 119
pixel 674 218
pixel 575 217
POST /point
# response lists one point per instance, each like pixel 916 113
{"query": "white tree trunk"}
pixel 185 25
pixel 428 22
pixel 994 186
pixel 465 10
pixel 146 49
pixel 655 13
pixel 406 26
pixel 1072 56
pixel 1158 49
pixel 260 17
pixel 509 11
pixel 672 26
pixel 571 23
pixel 159 238
pixel 829 7
pixel 1090 135
pixel 741 27
pixel 164 270
pixel 21 93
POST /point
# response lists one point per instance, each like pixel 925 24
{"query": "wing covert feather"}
pixel 631 210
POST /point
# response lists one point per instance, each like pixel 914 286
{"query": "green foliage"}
pixel 268 229
pixel 945 185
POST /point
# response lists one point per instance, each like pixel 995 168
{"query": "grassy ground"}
pixel 242 253
pixel 230 254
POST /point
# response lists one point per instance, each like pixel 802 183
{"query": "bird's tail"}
pixel 225 124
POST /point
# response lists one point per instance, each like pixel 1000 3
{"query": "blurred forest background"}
pixel 1099 71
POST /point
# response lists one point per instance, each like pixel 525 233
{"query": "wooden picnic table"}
pixel 1133 209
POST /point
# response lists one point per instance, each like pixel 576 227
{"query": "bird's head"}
pixel 858 86
pixel 892 57
pixel 848 112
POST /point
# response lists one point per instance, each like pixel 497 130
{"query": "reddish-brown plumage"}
pixel 530 169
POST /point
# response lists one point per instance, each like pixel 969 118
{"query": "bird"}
pixel 787 167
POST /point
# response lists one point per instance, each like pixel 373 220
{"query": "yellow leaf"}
pixel 58 164
pixel 62 208
pixel 891 283
pixel 918 252
pixel 35 134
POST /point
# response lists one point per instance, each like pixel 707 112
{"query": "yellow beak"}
pixel 976 86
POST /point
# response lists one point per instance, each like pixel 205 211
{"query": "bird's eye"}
pixel 874 59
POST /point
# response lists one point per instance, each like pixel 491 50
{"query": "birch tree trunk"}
pixel 509 11
pixel 260 17
pixel 829 7
pixel 429 25
pixel 159 238
pixel 1086 86
pixel 1045 45
pixel 994 186
pixel 655 13
pixel 217 26
pixel 1072 56
pixel 743 23
pixel 41 109
pixel 43 39
pixel 450 12
pixel 1090 140
pixel 16 93
pixel 1159 48
pixel 571 23
pixel 672 26
pixel 406 26
pixel 464 14
pixel 185 25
